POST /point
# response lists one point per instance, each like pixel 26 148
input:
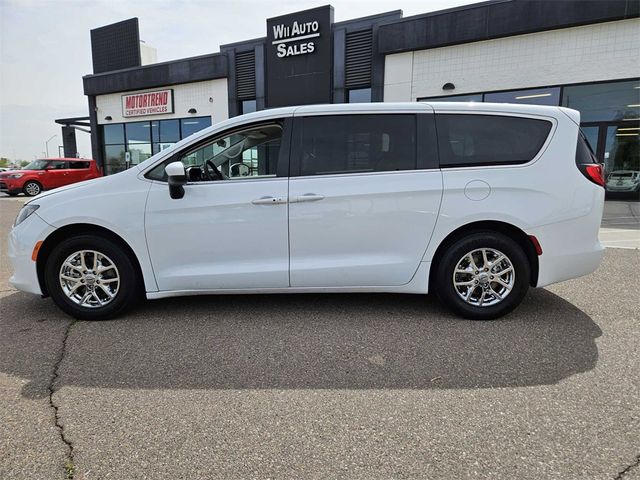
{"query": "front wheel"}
pixel 483 276
pixel 31 189
pixel 91 278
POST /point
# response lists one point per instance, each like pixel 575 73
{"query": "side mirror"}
pixel 177 178
pixel 239 170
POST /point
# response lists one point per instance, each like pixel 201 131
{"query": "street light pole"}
pixel 46 144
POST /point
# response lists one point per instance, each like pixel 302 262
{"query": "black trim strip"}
pixel 498 19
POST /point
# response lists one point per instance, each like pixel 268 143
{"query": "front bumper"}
pixel 8 185
pixel 22 240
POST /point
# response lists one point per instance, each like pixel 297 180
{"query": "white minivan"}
pixel 475 202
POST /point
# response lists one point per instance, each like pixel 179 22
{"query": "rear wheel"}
pixel 91 278
pixel 483 276
pixel 32 188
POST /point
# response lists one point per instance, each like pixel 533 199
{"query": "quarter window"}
pixel 78 165
pixel 337 144
pixel 470 140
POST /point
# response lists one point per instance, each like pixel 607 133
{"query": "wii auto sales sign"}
pixel 147 103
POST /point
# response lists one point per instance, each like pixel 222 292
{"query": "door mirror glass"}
pixel 176 178
pixel 239 170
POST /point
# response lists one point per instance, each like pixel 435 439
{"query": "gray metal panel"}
pixel 116 46
pixel 496 19
pixel 358 58
pixel 260 77
pixel 245 75
pixel 195 69
pixel 69 142
pixel 96 134
pixel 339 38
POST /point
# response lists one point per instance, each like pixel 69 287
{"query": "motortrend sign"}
pixel 295 39
pixel 147 103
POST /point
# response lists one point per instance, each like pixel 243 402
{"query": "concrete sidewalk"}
pixel 621 224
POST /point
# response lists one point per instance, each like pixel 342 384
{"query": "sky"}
pixel 45 50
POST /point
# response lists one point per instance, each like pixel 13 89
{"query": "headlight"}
pixel 25 213
pixel 16 175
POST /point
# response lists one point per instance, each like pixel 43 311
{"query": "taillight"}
pixel 593 172
pixel 587 163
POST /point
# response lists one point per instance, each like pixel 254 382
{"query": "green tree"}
pixel 4 162
pixel 23 163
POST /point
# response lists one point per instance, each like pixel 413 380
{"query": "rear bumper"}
pixel 622 188
pixel 571 248
pixel 22 240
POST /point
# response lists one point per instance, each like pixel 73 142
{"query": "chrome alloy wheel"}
pixel 89 279
pixel 484 277
pixel 32 189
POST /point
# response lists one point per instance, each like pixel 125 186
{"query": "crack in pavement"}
pixel 630 467
pixel 68 465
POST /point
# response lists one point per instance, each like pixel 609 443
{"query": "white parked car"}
pixel 475 202
pixel 623 181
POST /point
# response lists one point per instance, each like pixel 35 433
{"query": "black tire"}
pixel 33 187
pixel 128 293
pixel 446 290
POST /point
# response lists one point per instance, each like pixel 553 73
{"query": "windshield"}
pixel 36 165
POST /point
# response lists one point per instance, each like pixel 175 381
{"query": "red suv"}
pixel 47 173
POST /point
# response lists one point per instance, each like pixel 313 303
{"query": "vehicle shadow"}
pixel 332 341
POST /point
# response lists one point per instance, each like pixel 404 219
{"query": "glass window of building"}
pixel 604 102
pixel 190 126
pixel 164 134
pixel 336 144
pixel 359 95
pixel 114 150
pixel 622 160
pixel 114 159
pixel 138 136
pixel 476 97
pixel 533 96
pixel 591 134
pixel 138 132
pixel 113 134
pixel 248 106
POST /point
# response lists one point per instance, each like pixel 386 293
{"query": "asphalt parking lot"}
pixel 364 386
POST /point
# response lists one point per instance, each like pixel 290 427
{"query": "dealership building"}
pixel 579 54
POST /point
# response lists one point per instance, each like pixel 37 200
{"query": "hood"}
pixel 93 183
pixel 12 172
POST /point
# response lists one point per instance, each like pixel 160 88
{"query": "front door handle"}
pixel 269 201
pixel 308 197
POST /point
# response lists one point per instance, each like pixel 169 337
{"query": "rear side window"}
pixel 470 140
pixel 584 154
pixel 78 165
pixel 337 144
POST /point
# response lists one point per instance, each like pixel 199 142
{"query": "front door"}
pixel 229 231
pixel 364 197
pixel 56 174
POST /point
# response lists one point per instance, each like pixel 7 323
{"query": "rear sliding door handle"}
pixel 269 201
pixel 308 197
